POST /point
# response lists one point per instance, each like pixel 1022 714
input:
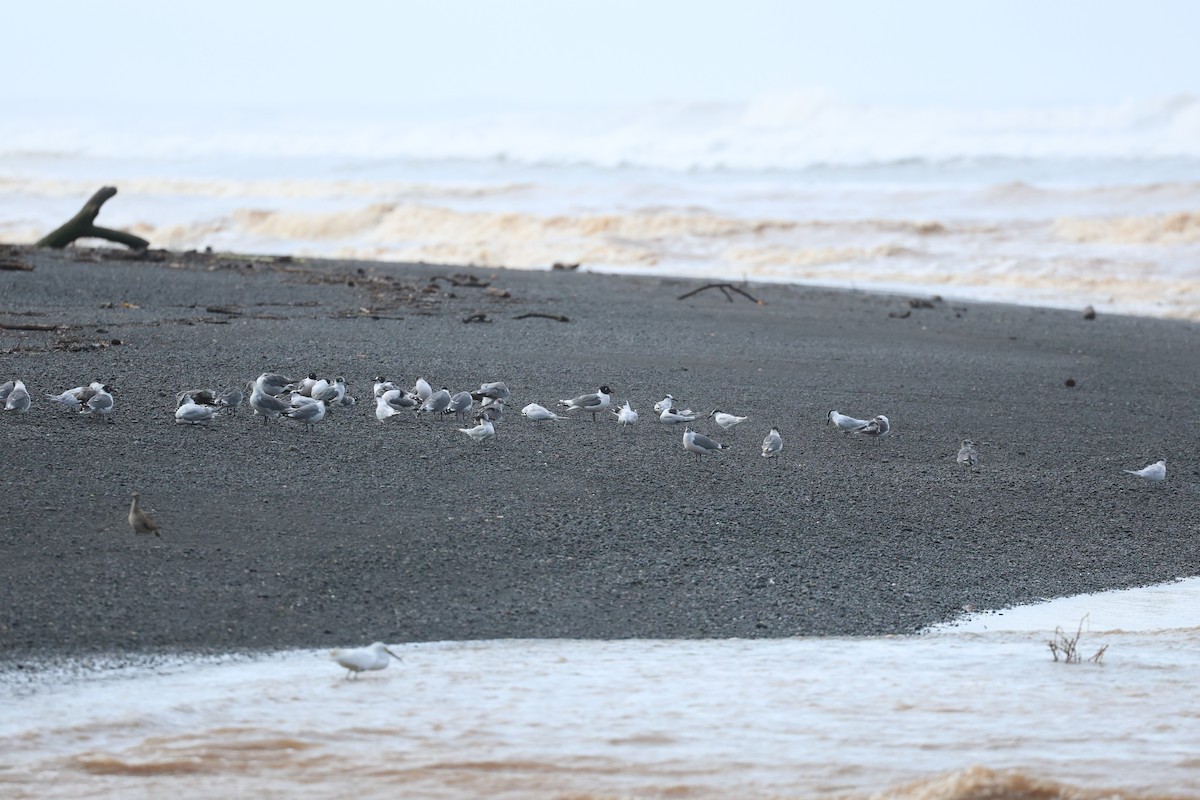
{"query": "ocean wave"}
pixel 1165 229
pixel 783 131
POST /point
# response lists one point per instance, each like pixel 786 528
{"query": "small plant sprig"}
pixel 1068 646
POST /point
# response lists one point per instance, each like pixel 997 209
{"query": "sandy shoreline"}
pixel 275 537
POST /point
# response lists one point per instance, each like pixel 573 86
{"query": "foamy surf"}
pixel 962 711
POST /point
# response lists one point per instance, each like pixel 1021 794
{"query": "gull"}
pixel 626 416
pixel 18 398
pixel 305 386
pixel 878 427
pixel 594 403
pixel 673 416
pixel 460 404
pixel 310 412
pixel 331 393
pixel 726 421
pixel 318 386
pixel 1155 472
pixel 205 397
pixel 347 401
pixel 273 384
pixel 699 444
pixel 844 423
pixel 422 389
pixel 139 520
pixel 772 444
pixel 231 398
pixel 664 404
pixel 191 412
pixel 5 389
pixel 539 413
pixel 362 659
pixel 481 432
pixel 382 385
pixel 74 398
pixel 400 400
pixel 383 410
pixel 436 403
pixel 265 405
pixel 968 456
pixel 99 403
pixel 493 413
pixel 492 391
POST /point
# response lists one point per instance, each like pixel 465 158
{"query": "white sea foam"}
pixel 978 708
pixel 1069 207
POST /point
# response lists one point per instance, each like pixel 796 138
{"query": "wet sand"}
pixel 274 536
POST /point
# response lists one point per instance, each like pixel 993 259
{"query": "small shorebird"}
pixel 592 403
pixel 772 444
pixel 967 455
pixel 362 659
pixel 664 404
pixel 310 413
pixel 436 403
pixel 18 398
pixel 1155 472
pixel 100 403
pixel 139 520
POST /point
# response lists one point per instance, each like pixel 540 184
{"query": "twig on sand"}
pixel 14 265
pixel 725 288
pixel 29 326
pixel 466 281
pixel 555 317
pixel 1068 646
pixel 83 225
pixel 478 316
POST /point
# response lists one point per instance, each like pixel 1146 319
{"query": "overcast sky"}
pixel 235 53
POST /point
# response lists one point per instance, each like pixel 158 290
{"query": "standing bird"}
pixel 726 421
pixel 772 444
pixel 273 384
pixel 266 405
pixel 230 398
pixel 1155 472
pixel 539 413
pixel 330 393
pixel 626 416
pixel 592 403
pixel 422 389
pixel 968 456
pixel 100 403
pixel 664 404
pixel 436 403
pixel 5 389
pixel 74 398
pixel 139 520
pixel 310 412
pixel 481 432
pixel 364 658
pixel 18 398
pixel 700 444
pixel 878 427
pixel 496 390
pixel 460 404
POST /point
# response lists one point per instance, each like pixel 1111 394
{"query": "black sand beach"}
pixel 274 536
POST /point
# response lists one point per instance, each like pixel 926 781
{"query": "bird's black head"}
pixel 606 390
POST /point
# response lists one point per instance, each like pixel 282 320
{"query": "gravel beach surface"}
pixel 277 536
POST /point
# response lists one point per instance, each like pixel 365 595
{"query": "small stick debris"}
pixel 29 326
pixel 555 317
pixel 15 266
pixel 478 316
pixel 725 289
pixel 467 281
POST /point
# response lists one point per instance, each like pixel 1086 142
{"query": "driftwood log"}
pixel 83 226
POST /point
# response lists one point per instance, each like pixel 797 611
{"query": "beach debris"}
pixel 460 279
pixel 30 326
pixel 372 657
pixel 1089 312
pixel 700 444
pixel 540 315
pixel 1067 647
pixel 15 265
pixel 495 291
pixel 1069 383
pixel 968 456
pixel 593 403
pixel 725 289
pixel 1155 472
pixel 478 316
pixel 726 421
pixel 139 520
pixel 626 416
pixel 920 302
pixel 83 226
pixel 900 314
pixel 772 444
pixel 563 267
